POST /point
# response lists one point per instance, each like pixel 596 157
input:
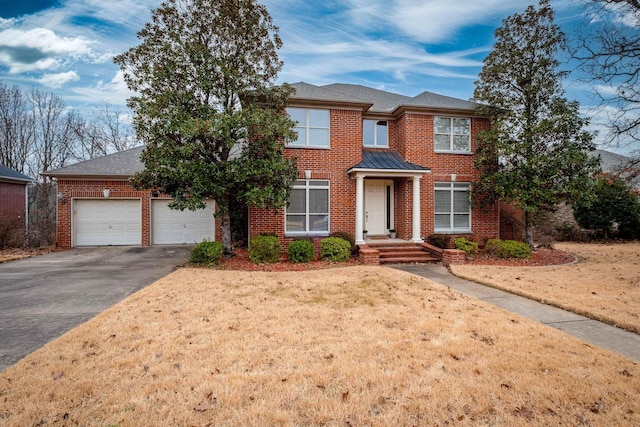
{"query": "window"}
pixel 452 134
pixel 312 127
pixel 308 210
pixel 452 207
pixel 374 133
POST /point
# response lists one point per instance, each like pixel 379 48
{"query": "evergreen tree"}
pixel 207 106
pixel 536 152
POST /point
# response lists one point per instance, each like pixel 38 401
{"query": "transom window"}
pixel 308 209
pixel 452 207
pixel 374 133
pixel 452 134
pixel 312 127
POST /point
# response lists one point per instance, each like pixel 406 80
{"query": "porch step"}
pixel 403 252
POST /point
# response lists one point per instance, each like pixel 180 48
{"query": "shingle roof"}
pixel 386 160
pixel 383 101
pixel 10 175
pixel 429 99
pixel 122 164
pixel 323 93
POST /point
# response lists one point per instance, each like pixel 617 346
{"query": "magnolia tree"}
pixel 536 153
pixel 207 106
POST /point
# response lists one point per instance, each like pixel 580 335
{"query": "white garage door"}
pixel 174 227
pixel 107 222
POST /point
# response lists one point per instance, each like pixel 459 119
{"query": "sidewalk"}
pixel 592 331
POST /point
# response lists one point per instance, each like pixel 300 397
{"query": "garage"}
pixel 107 222
pixel 174 227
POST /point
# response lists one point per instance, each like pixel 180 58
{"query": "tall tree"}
pixel 208 108
pixel 608 50
pixel 16 128
pixel 536 152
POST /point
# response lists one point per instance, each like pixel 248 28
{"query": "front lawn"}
pixel 603 284
pixel 340 347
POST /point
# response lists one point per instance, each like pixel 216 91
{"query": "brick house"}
pixel 368 160
pixel 14 201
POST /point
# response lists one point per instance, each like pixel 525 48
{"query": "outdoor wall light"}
pixel 106 192
pixel 62 199
pixel 454 177
pixel 307 174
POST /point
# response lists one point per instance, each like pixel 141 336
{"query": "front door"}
pixel 377 206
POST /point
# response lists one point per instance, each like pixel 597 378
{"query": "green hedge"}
pixel 264 250
pixel 335 249
pixel 300 251
pixel 464 244
pixel 206 253
pixel 508 248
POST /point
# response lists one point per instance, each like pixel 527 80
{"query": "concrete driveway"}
pixel 45 296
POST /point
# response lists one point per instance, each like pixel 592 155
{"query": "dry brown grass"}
pixel 604 284
pixel 353 346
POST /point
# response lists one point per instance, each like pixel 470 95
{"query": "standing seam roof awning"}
pixel 386 161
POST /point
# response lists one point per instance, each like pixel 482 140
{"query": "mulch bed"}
pixel 241 261
pixel 540 257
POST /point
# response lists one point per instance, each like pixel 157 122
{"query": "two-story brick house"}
pixel 368 160
pixel 374 160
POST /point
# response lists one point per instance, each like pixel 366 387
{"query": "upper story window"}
pixel 452 134
pixel 312 127
pixel 375 133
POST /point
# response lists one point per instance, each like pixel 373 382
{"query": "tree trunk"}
pixel 528 229
pixel 226 232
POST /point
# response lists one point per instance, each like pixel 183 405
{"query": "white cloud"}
pixel 38 49
pixel 59 79
pixel 430 21
pixel 114 92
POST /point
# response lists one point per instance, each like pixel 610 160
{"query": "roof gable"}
pixel 121 164
pixel 378 101
pixel 10 175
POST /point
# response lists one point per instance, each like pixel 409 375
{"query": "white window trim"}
pixel 375 134
pixel 307 144
pixel 308 187
pixel 439 186
pixel 451 150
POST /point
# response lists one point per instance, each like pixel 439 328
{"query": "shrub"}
pixel 264 249
pixel 442 241
pixel 206 253
pixel 335 249
pixel 348 237
pixel 300 251
pixel 464 244
pixel 508 248
pixel 607 203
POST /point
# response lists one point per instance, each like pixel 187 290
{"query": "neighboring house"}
pixel 368 160
pixel 14 207
pixel 560 223
pixel 14 195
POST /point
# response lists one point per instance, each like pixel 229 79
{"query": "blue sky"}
pixel 403 46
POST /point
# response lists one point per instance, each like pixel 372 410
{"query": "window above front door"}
pixel 375 133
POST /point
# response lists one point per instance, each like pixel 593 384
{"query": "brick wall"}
pixel 94 189
pixel 12 198
pixel 412 136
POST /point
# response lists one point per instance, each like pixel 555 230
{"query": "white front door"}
pixel 377 204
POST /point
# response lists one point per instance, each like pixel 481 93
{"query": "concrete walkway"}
pixel 594 332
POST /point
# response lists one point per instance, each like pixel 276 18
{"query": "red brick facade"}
pixel 412 136
pixel 12 199
pixel 70 190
